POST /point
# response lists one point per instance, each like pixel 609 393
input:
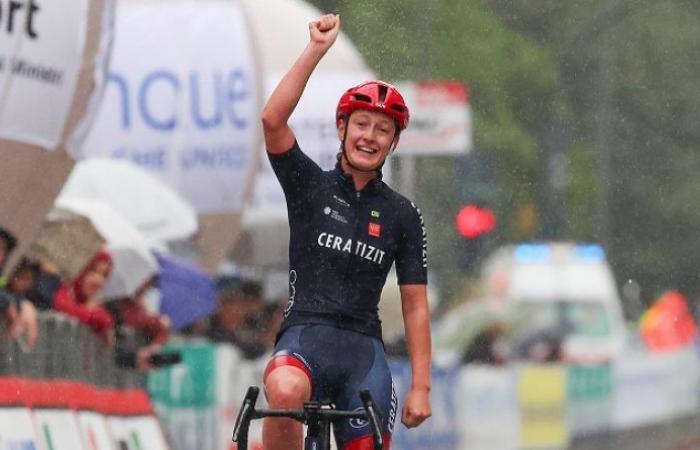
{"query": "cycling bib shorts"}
pixel 340 363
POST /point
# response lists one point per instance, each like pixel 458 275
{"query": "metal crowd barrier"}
pixel 69 350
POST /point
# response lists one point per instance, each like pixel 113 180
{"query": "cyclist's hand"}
pixel 324 30
pixel 416 408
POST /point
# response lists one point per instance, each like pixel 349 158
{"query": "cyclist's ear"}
pixel 340 125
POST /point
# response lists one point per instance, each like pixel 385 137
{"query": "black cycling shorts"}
pixel 340 363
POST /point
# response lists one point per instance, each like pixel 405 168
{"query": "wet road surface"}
pixel 680 434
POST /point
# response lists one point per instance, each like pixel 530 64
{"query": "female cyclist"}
pixel 347 228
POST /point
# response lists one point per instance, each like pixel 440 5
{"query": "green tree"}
pixel 628 72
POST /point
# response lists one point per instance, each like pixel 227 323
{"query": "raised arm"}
pixel 279 107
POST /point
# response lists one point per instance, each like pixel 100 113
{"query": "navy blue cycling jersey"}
pixel 343 243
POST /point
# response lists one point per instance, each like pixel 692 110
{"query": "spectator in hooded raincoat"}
pixel 81 298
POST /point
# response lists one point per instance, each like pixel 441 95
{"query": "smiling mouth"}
pixel 367 150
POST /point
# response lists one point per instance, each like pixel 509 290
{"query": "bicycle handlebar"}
pixel 373 417
pixel 310 411
pixel 245 415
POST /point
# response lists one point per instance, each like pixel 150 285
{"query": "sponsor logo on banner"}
pixel 17 17
pixel 41 48
pixel 181 104
pixel 59 429
pixel 93 427
pixel 137 433
pixel 589 405
pixel 542 406
pixel 17 429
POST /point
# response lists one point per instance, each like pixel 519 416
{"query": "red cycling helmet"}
pixel 375 96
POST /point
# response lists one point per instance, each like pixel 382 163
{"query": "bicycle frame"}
pixel 316 415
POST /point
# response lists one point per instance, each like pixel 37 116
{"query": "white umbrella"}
pixel 134 262
pixel 150 205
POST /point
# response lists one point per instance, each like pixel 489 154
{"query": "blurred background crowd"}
pixel 239 315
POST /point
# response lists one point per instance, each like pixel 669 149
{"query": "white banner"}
pixel 137 433
pixel 17 429
pixel 313 123
pixel 94 430
pixel 58 429
pixel 41 50
pixel 641 390
pixel 440 121
pixel 651 388
pixel 487 409
pixel 182 99
pixel 234 375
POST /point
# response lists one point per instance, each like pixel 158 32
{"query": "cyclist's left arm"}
pixel 416 316
pixel 412 272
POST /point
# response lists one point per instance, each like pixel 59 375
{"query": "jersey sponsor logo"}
pixel 393 407
pixel 359 248
pixel 358 423
pixel 425 235
pixel 292 291
pixel 374 229
pixel 341 201
pixel 328 211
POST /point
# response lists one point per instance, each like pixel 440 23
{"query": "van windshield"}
pixel 576 319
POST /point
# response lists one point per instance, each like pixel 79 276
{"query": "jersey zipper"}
pixel 354 235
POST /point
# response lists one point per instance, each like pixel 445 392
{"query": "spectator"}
pixel 271 320
pixel 81 297
pixel 488 347
pixel 197 329
pixel 19 316
pixel 48 282
pixel 153 328
pixel 235 320
pixel 25 323
pixel 7 244
pixel 132 312
pixel 541 345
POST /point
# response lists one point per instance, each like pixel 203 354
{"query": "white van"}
pixel 561 286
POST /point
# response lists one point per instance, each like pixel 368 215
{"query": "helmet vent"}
pixel 362 98
pixel 398 108
pixel 382 92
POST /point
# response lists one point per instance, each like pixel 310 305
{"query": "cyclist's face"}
pixel 369 138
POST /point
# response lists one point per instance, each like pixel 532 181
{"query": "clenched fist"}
pixel 325 30
pixel 416 408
